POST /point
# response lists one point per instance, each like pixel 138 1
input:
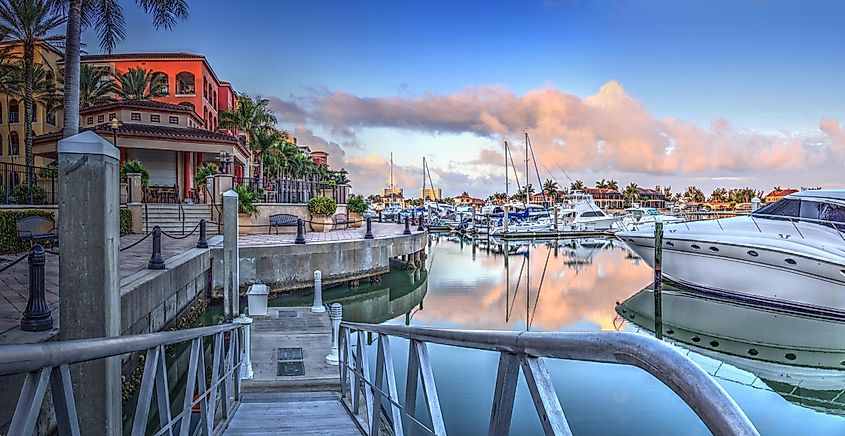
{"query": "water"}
pixel 792 385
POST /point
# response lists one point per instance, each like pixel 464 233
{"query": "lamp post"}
pixel 115 126
pixel 224 159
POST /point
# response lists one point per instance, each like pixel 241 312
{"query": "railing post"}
pixel 246 366
pixel 420 226
pixel 407 230
pixel 202 242
pixel 658 280
pixel 336 315
pixel 300 231
pixel 318 307
pixel 369 234
pixel 156 261
pixel 36 317
pixel 379 217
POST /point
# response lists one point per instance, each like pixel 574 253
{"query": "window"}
pixel 135 116
pixel 155 118
pixel 174 120
pixel 112 116
pixel 51 118
pixel 1 117
pixel 185 83
pixel 90 120
pixel 784 208
pixel 14 112
pixel 14 144
pixel 1 145
pixel 204 89
pixel 101 118
pixel 164 83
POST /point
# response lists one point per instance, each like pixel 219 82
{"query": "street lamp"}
pixel 115 126
pixel 224 159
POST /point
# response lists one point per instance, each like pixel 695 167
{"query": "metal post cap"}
pixel 335 311
pixel 318 275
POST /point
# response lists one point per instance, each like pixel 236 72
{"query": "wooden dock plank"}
pixel 314 413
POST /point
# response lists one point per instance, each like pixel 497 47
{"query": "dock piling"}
pixel 336 315
pixel 658 280
pixel 318 307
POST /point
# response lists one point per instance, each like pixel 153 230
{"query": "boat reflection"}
pixel 801 358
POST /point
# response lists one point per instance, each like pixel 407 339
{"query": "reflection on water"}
pixel 591 285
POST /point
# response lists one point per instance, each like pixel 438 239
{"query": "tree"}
pixel 612 184
pixel 30 22
pixel 550 188
pixel 106 17
pixel 96 85
pixel 601 184
pixel 252 116
pixel 631 194
pixel 525 192
pixel 694 195
pixel 138 84
pixel 577 186
pixel 719 195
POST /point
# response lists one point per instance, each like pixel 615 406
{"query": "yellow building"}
pixel 45 120
pixel 432 194
pixel 391 192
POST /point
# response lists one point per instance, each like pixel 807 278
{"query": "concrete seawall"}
pixel 286 267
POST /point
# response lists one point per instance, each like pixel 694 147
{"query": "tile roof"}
pixel 781 193
pixel 167 132
pixel 131 56
pixel 140 104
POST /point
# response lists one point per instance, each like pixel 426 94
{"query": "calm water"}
pixel 790 386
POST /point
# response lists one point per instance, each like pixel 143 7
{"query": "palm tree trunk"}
pixel 72 61
pixel 28 60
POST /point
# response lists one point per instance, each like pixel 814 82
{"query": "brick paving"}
pixel 14 282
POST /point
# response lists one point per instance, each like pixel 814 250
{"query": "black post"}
pixel 202 242
pixel 300 231
pixel 379 217
pixel 658 280
pixel 369 234
pixel 407 228
pixel 36 317
pixel 420 226
pixel 156 261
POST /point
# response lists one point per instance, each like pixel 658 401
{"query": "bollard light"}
pixel 36 317
pixel 420 226
pixel 156 261
pixel 369 234
pixel 246 363
pixel 202 242
pixel 318 307
pixel 407 230
pixel 300 231
pixel 336 315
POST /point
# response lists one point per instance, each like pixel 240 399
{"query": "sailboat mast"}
pixel 527 175
pixel 391 170
pixel 422 194
pixel 506 171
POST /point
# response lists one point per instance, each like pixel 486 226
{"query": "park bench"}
pixel 282 220
pixel 340 220
pixel 36 228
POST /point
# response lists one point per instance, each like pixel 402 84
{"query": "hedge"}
pixel 125 221
pixel 9 242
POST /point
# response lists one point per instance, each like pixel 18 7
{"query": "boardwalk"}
pixel 294 413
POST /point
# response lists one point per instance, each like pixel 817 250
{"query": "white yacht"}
pixel 788 254
pixel 579 212
pixel 637 216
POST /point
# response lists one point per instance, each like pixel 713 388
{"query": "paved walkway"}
pixel 14 282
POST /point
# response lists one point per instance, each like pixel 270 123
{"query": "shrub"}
pixel 356 204
pixel 134 166
pixel 125 221
pixel 49 171
pixel 21 194
pixel 322 206
pixel 205 170
pixel 246 200
pixel 9 242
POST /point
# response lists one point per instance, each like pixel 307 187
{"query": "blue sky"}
pixel 766 66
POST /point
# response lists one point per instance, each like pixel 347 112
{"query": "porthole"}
pixel 624 311
pixel 695 246
pixel 670 332
pixel 753 253
pixel 633 316
pixel 842 363
pixel 753 352
pixel 670 244
pixel 790 356
pixel 714 344
pixel 842 271
pixel 714 249
pixel 696 339
pixel 790 261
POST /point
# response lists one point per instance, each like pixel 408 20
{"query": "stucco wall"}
pixel 261 222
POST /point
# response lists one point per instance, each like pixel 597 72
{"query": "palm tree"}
pixel 577 186
pixel 694 194
pixel 106 16
pixel 550 188
pixel 139 84
pixel 612 184
pixel 601 184
pixel 30 22
pixel 251 116
pixel 631 194
pixel 96 86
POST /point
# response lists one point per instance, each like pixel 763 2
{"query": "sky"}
pixel 705 93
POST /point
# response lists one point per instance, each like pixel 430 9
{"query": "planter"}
pixel 321 223
pixel 245 224
pixel 356 220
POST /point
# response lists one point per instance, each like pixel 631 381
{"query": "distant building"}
pixel 432 194
pixel 466 200
pixel 605 198
pixel 652 198
pixel 391 192
pixel 320 157
pixel 778 195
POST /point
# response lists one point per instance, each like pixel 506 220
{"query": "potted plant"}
pixel 322 209
pixel 356 206
pixel 205 171
pixel 247 208
pixel 134 167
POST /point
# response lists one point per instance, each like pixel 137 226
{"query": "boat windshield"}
pixel 807 209
pixel 652 212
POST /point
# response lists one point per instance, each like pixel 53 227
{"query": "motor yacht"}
pixel 638 216
pixel 788 254
pixel 579 212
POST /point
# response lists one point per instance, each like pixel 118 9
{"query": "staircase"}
pixel 168 216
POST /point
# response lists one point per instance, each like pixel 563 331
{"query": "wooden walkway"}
pixel 295 413
pixel 294 391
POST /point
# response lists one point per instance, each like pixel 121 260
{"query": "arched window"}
pixel 165 82
pixel 14 144
pixel 185 84
pixel 14 112
pixel 204 88
pixel 214 99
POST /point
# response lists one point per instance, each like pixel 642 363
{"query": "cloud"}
pixel 287 111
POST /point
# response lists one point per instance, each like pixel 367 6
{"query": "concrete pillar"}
pixel 246 365
pixel 136 193
pixel 89 194
pixel 137 210
pixel 318 307
pixel 231 257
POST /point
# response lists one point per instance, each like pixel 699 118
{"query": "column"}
pixel 231 257
pixel 89 273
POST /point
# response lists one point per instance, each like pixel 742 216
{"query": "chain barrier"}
pixel 136 242
pixel 14 263
pixel 183 236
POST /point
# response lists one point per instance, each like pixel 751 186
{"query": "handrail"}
pixel 30 357
pixel 706 398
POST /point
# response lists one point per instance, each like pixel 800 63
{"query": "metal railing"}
pixel 14 175
pixel 48 364
pixel 292 189
pixel 517 350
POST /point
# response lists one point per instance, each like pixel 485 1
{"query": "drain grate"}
pixel 287 314
pixel 289 362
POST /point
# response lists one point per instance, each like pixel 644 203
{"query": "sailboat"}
pixel 525 218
